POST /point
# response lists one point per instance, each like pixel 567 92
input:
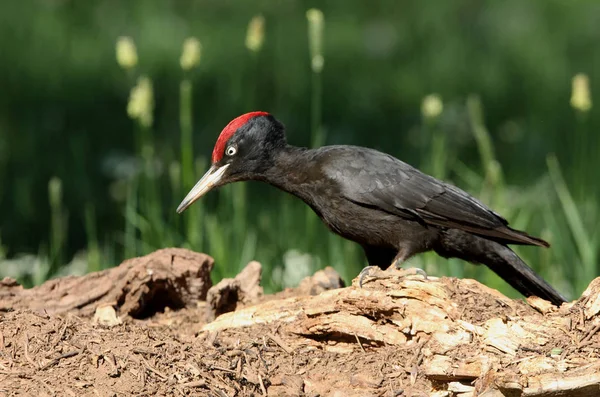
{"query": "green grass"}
pixel 237 224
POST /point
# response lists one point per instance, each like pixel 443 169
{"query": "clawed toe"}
pixel 413 271
pixel 369 270
pixel 364 273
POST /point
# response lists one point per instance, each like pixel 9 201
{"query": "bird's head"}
pixel 244 151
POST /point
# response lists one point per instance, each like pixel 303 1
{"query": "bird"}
pixel 390 208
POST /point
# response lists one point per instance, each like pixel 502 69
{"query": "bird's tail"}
pixel 501 260
pixel 506 264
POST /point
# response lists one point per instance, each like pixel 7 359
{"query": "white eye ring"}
pixel 231 151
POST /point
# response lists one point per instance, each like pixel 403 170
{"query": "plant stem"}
pixel 58 224
pixel 185 122
pixel 317 139
pixel 438 155
pixel 193 228
pixel 490 165
pixel 587 249
pixel 93 248
pixel 130 241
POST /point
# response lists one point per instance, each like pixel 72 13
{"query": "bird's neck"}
pixel 293 170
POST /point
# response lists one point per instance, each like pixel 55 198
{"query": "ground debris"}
pixel 393 337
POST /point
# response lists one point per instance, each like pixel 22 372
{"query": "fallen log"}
pixel 139 287
pixel 458 332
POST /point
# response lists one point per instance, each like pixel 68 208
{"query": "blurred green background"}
pixel 493 96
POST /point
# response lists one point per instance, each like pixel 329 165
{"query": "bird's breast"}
pixel 356 223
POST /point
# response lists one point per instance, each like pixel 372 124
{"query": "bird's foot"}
pixel 412 271
pixel 369 270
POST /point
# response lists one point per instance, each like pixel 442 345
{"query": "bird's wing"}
pixel 377 180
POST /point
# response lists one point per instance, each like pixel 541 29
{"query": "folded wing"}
pixel 377 180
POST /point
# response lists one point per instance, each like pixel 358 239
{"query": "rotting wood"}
pixel 138 287
pixel 231 293
pixel 502 345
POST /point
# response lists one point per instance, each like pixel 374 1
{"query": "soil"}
pixel 160 328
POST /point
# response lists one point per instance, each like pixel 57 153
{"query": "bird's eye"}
pixel 231 150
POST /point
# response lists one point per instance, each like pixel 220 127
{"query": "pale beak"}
pixel 211 179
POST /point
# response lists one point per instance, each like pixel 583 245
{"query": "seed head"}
pixel 256 33
pixel 580 94
pixel 141 102
pixel 126 53
pixel 432 106
pixel 190 56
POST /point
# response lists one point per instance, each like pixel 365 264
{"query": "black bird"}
pixel 390 208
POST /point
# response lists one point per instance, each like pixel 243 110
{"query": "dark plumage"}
pixel 391 209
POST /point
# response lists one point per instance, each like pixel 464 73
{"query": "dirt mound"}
pixel 156 326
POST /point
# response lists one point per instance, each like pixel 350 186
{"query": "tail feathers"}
pixel 521 277
pixel 501 260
